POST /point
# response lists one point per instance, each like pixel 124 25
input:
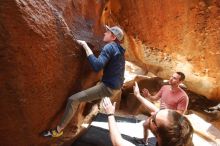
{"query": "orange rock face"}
pixel 170 36
pixel 41 65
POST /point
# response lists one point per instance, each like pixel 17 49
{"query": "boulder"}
pixel 41 66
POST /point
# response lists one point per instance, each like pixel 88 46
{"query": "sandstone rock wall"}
pixel 170 36
pixel 40 66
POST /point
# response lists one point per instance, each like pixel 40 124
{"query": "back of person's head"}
pixel 178 132
pixel 182 76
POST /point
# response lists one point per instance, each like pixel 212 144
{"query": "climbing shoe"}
pixel 55 133
pixel 46 134
pixel 52 133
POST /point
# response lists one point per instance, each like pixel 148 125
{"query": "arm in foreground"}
pixel 147 104
pixel 115 135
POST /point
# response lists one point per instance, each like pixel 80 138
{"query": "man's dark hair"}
pixel 182 76
pixel 178 132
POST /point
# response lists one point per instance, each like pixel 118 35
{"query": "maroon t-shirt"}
pixel 175 100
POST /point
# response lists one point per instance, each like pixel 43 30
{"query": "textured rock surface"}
pixel 170 36
pixel 41 66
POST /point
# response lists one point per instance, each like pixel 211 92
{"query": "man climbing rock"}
pixel 112 61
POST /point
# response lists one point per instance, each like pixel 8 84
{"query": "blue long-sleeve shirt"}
pixel 112 61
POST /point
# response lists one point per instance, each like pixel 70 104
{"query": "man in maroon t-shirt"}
pixel 171 96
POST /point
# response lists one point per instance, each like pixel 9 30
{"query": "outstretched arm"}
pixel 115 135
pixel 101 61
pixel 150 106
